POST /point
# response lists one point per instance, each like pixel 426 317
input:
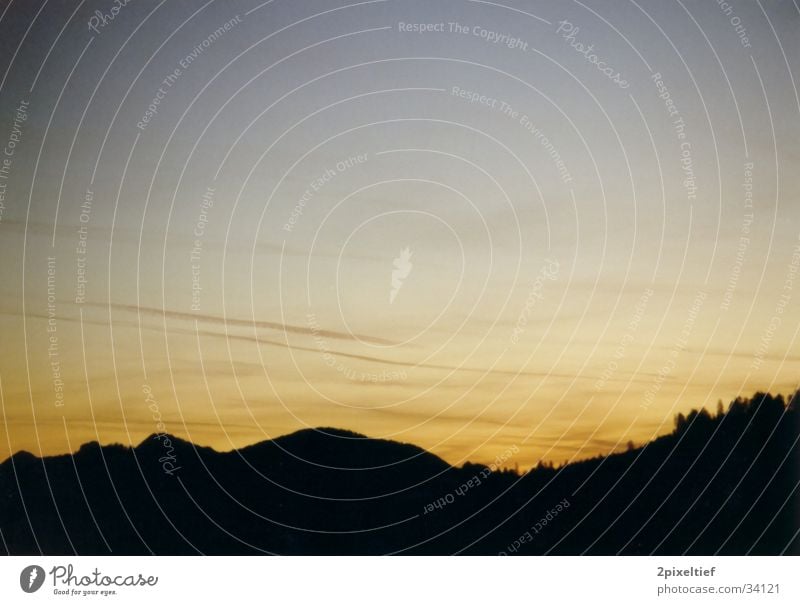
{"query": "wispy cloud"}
pixel 244 323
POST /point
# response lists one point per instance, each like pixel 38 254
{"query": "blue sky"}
pixel 586 258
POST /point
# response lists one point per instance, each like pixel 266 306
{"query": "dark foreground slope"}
pixel 725 484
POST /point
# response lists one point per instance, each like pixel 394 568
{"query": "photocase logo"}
pixel 402 268
pixel 31 578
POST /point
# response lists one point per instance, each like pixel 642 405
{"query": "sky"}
pixel 479 227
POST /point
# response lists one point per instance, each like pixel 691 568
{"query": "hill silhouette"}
pixel 718 484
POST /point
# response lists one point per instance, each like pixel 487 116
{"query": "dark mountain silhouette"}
pixel 724 483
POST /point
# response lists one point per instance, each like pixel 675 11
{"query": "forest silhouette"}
pixel 723 483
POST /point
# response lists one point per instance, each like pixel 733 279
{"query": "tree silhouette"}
pixel 724 484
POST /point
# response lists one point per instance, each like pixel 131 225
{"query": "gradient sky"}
pixel 578 273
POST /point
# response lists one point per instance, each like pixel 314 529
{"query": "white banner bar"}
pixel 400 581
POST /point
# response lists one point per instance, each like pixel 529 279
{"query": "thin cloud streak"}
pixel 246 323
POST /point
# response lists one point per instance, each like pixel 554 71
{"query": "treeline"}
pixel 721 483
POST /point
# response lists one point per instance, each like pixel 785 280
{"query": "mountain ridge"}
pixel 724 483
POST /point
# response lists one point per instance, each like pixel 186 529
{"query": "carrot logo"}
pixel 31 578
pixel 402 268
